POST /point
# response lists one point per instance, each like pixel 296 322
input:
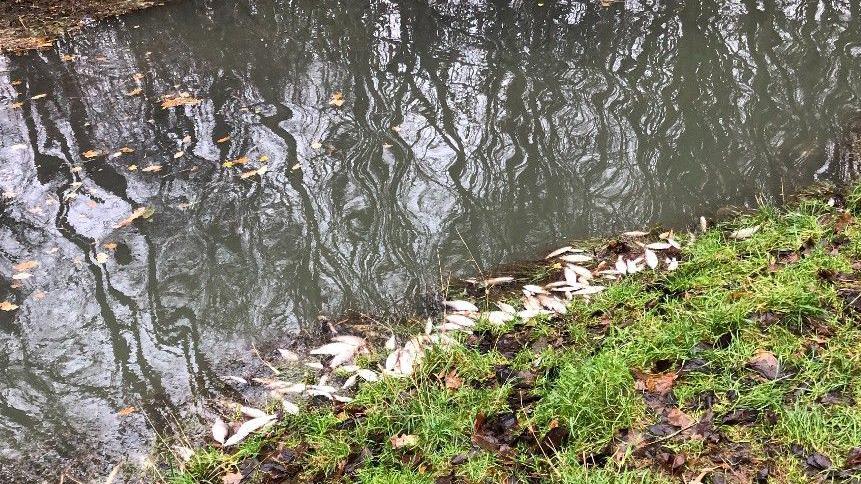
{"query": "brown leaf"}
pixel 660 383
pixel 25 266
pixel 134 92
pixel 91 153
pixel 679 419
pixel 138 213
pixel 8 306
pixel 127 411
pixel 232 478
pixel 400 441
pixel 110 245
pixel 452 381
pixel 152 168
pixel 222 140
pixel 766 364
pixel 181 99
pixel 337 99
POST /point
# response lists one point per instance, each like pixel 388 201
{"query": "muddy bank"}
pixel 35 24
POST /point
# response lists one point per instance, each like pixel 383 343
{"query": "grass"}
pixel 578 399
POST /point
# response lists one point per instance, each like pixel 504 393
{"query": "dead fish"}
pixel 252 412
pixel 532 288
pixel 632 266
pixel 658 246
pixel 558 251
pixel 245 429
pixel 672 264
pixel 497 280
pixel 288 355
pixel 745 233
pixel 576 258
pixel 460 320
pixel 651 259
pixel 508 308
pixel 290 407
pixel 703 225
pixel 621 265
pixel 459 305
pixel 553 304
pixel 588 291
pixel 219 430
pixel 498 318
pixel 391 343
pixel 581 271
pixel 635 233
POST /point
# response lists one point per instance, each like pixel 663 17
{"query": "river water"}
pixel 468 130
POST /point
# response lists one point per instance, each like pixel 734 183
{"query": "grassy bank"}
pixel 741 364
pixel 36 24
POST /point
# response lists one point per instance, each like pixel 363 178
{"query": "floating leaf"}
pixel 134 92
pixel 151 168
pixel 127 411
pixel 222 140
pixel 21 276
pixel 181 99
pixel 101 258
pixel 38 96
pixel 8 306
pixel 178 154
pixel 138 213
pixel 25 266
pixel 91 153
pixel 337 99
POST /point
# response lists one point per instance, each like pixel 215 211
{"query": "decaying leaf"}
pixel 134 92
pixel 766 364
pixel 25 266
pixel 232 478
pixel 139 212
pixel 222 140
pixel 452 380
pixel 8 306
pixel 337 99
pixel 181 99
pixel 127 411
pixel 92 153
pixel 151 168
pixel 401 441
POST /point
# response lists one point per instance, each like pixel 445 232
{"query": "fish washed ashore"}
pixel 726 355
pixel 36 24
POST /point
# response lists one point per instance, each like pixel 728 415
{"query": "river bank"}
pixel 725 355
pixel 36 24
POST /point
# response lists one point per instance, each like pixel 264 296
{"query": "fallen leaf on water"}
pixel 38 96
pixel 139 212
pixel 316 145
pixel 134 92
pixel 219 430
pixel 222 140
pixel 126 149
pixel 91 153
pixel 295 167
pixel 178 154
pixel 263 158
pixel 250 173
pixel 127 411
pixel 152 168
pixel 337 99
pixel 181 99
pixel 21 276
pixel 16 105
pixel 25 266
pixel 400 441
pixel 133 167
pixel 8 306
pixel 110 245
pixel 67 57
pixel 101 258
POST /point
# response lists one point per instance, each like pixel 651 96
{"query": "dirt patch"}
pixel 36 24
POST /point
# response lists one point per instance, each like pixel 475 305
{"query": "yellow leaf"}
pixel 152 168
pixel 227 164
pixel 38 96
pixel 134 92
pixel 8 306
pixel 110 245
pixel 222 140
pixel 337 99
pixel 181 99
pixel 91 153
pixel 126 149
pixel 316 145
pixel 67 57
pixel 16 105
pixel 138 213
pixel 25 266
pixel 263 158
pixel 133 167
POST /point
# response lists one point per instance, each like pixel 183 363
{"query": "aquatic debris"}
pixel 180 99
pixel 290 407
pixel 635 233
pixel 745 233
pixel 460 305
pixel 288 355
pixel 658 246
pixel 151 168
pixel 576 258
pixel 558 252
pixel 8 306
pixel 651 259
pixel 400 362
pixel 460 320
pixel 497 280
pixel 25 266
pixel 139 212
pixel 337 99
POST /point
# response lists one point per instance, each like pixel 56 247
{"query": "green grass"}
pixel 729 300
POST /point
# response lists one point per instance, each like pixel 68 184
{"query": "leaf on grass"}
pixel 766 364
pixel 660 383
pixel 401 441
pixel 231 478
pixel 452 380
pixel 679 419
pixel 8 306
pixel 337 99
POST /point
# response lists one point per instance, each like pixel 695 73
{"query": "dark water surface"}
pixel 498 127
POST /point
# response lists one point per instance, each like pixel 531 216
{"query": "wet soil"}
pixel 35 24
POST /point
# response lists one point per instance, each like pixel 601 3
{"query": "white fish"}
pixel 290 407
pixel 497 280
pixel 621 265
pixel 530 302
pixel 553 304
pixel 588 291
pixel 252 412
pixel 391 343
pixel 333 349
pixel 651 259
pixel 558 251
pixel 581 271
pixel 454 327
pixel 498 318
pixel 342 398
pixel 745 233
pixel 508 308
pixel 428 326
pixel 319 393
pixel 219 430
pixel 288 355
pixel 350 339
pixel 245 429
pixel 342 358
pixel 350 382
pixel 532 288
pixel 237 379
pixel 459 305
pixel 703 224
pixel 632 267
pixel 576 258
pixel 659 246
pixel 460 320
pixel 672 264
pixel 367 375
pixel 570 274
pixel 635 233
pixel 674 243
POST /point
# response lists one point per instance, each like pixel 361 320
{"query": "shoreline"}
pixel 37 24
pixel 649 357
